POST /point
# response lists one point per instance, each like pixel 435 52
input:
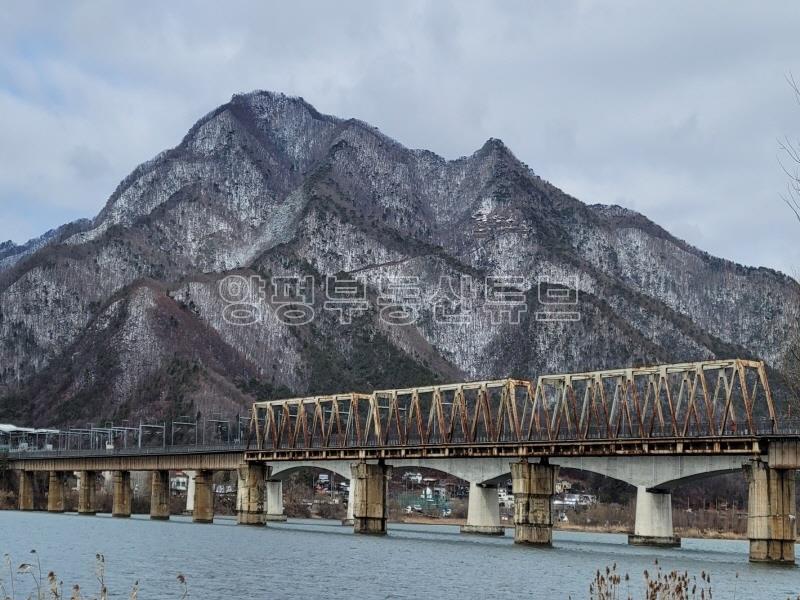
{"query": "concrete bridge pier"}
pixel 351 499
pixel 771 513
pixel 190 487
pixel 159 495
pixel 203 497
pixel 121 506
pixel 653 526
pixel 87 484
pixel 274 501
pixel 250 493
pixel 533 486
pixel 369 506
pixel 55 491
pixel 26 490
pixel 483 511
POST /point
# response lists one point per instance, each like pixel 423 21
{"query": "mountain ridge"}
pixel 266 185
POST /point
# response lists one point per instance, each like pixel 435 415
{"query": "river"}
pixel 309 559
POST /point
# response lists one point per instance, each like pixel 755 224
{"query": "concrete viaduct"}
pixel 652 427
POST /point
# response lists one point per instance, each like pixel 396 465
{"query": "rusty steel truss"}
pixel 701 405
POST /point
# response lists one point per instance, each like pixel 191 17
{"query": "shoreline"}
pixel 618 529
pixel 690 533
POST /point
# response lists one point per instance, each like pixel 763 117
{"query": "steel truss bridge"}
pixel 710 407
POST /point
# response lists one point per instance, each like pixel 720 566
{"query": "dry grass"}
pixel 658 584
pixel 52 588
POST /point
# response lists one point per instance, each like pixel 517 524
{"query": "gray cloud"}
pixel 88 163
pixel 673 109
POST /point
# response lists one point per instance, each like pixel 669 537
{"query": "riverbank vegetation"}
pixel 28 582
pixel 655 584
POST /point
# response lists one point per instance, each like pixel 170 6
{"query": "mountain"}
pixel 134 314
pixel 11 253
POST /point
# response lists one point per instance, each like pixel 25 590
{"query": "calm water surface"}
pixel 321 559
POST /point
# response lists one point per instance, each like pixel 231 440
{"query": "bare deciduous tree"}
pixel 789 160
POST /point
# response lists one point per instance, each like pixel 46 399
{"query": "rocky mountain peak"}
pixel 495 145
pixel 125 314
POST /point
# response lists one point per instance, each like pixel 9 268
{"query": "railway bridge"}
pixel 652 427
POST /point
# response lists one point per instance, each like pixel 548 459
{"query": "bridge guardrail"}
pixel 788 427
pixel 145 451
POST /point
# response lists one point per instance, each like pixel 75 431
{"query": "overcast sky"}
pixel 673 109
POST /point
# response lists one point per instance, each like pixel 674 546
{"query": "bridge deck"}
pixel 740 445
pixel 170 458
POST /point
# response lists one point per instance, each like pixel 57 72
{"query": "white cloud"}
pixel 671 109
